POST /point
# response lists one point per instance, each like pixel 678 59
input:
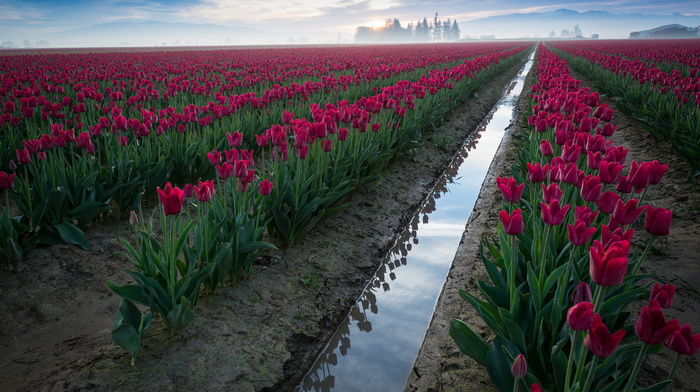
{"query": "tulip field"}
pixel 563 271
pixel 245 150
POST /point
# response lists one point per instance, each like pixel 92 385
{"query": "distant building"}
pixel 668 31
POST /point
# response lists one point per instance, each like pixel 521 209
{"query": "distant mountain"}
pixel 150 33
pixel 540 24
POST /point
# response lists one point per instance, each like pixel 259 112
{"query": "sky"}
pixel 32 18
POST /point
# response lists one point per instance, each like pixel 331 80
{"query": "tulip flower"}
pixel 591 188
pixel 537 172
pixel 585 214
pixel 205 191
pixel 658 221
pixel 225 170
pixel 652 327
pixel 513 224
pixel 623 185
pixel 23 156
pixel 572 175
pixel 683 341
pixel 579 234
pixel 551 193
pixel 261 140
pixel 611 237
pixel 582 293
pixel 627 213
pixel 546 148
pixel 570 152
pixel 580 316
pixel 188 190
pixel 265 187
pixel 663 294
pixel 171 199
pixel 599 341
pixel 609 171
pixel 657 171
pixel 593 160
pixel 553 214
pixel 607 202
pixel 510 189
pixel 6 181
pixel 535 387
pixel 234 140
pixel 240 168
pixel 133 219
pixel 214 157
pixel 640 175
pixel 608 267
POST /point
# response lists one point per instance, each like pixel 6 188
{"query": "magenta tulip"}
pixel 171 199
pixel 510 189
pixel 658 221
pixel 519 368
pixel 683 341
pixel 513 224
pixel 580 316
pixel 652 327
pixel 663 294
pixel 608 267
pixel 599 341
pixel 553 214
pixel 579 234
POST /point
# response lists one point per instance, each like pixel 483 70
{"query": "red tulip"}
pixel 553 214
pixel 609 171
pixel 591 188
pixel 663 294
pixel 240 168
pixel 609 238
pixel 171 199
pixel 262 140
pixel 303 152
pixel 657 171
pixel 265 187
pixel 510 189
pixel 683 341
pixel 608 267
pixel 551 193
pixel 580 316
pixel 225 170
pixel 546 148
pixel 326 145
pixel 599 341
pixel 23 156
pixel 607 202
pixel 519 368
pixel 214 157
pixel 188 190
pixel 6 181
pixel 205 191
pixel 536 172
pixel 658 221
pixel 651 326
pixel 582 293
pixel 513 224
pixel 593 160
pixel 236 139
pixel 535 387
pixel 570 152
pixel 579 234
pixel 640 176
pixel 627 213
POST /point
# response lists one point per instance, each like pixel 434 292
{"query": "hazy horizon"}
pixel 314 21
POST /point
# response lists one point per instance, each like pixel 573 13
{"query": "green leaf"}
pixel 469 342
pixel 181 315
pixel 72 235
pixel 126 337
pixel 656 387
pixel 129 292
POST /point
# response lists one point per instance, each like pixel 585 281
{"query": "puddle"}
pixel 376 345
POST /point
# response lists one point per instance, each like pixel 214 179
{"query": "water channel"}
pixel 376 345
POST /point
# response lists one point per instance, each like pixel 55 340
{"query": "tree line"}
pixel 423 31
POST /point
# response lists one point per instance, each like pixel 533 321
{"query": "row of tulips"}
pixel 65 179
pixel 562 271
pixel 667 102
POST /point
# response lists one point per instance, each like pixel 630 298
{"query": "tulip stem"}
pixel 591 375
pixel 574 344
pixel 673 369
pixel 599 297
pixel 511 269
pixel 580 365
pixel 644 255
pixel 637 366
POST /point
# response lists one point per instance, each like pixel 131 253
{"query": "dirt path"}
pixel 56 313
pixel 440 365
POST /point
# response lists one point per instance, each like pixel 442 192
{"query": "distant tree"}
pixel 42 44
pixel 447 30
pixel 565 33
pixel 594 36
pixel 437 29
pixel 552 34
pixel 577 31
pixel 364 34
pixel 7 44
pixel 456 33
pixel 27 43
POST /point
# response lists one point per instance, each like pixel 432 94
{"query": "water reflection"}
pixel 385 345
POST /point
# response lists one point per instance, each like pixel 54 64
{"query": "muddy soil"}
pixel 260 334
pixel 440 365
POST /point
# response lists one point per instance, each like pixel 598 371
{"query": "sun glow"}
pixel 374 24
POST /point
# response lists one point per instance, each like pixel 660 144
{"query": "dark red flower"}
pixel 651 326
pixel 599 341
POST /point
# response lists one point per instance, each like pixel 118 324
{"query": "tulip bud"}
pixel 658 221
pixel 663 295
pixel 133 219
pixel 580 316
pixel 519 368
pixel 582 293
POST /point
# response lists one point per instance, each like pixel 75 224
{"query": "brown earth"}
pixel 440 365
pixel 261 334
